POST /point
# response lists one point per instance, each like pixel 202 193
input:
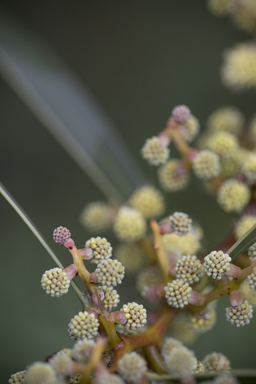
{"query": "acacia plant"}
pixel 129 344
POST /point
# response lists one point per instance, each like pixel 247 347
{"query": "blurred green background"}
pixel 139 59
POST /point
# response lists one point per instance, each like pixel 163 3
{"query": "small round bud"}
pixel 83 325
pixel 190 129
pixel 149 201
pixel 101 249
pixel 222 143
pixel 244 224
pixel 111 297
pixel 227 119
pixel 206 165
pixel 189 269
pixel 18 378
pixel 131 256
pixel 199 368
pixel 173 176
pixel 61 235
pixel 216 362
pixel 252 280
pixel 110 272
pixel 252 251
pixel 169 344
pixel 239 67
pixel 240 314
pixel 132 366
pixel 233 195
pixel 216 264
pixel 249 168
pixel 181 114
pixel 82 350
pixel 205 322
pixel 177 293
pixel 187 245
pixel 75 379
pixel 129 224
pixel 181 223
pixel 40 373
pixel 96 216
pixel 55 282
pixel 135 314
pixel 154 152
pixel 60 363
pixel 181 361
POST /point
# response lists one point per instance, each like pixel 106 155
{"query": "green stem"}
pixel 155 359
pixel 160 251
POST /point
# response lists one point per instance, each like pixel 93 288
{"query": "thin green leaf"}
pixel 243 243
pixel 38 235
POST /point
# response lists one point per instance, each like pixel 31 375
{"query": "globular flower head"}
pixel 199 368
pixel 190 129
pixel 110 272
pixel 232 166
pixel 149 201
pixel 182 330
pixel 252 251
pixel 181 361
pixel 187 245
pixel 206 165
pixel 82 350
pixel 181 223
pixel 131 256
pixel 135 314
pixel 154 152
pixel 239 314
pixel 18 378
pixel 222 143
pixel 189 269
pixel 239 68
pixel 40 373
pixel 169 344
pixel 216 264
pixel 61 235
pixel 181 114
pixel 216 362
pixel 173 176
pixel 55 282
pixel 147 277
pixel 129 224
pixel 83 325
pixel 220 7
pixel 132 366
pixel 204 322
pixel 60 363
pixel 244 224
pixel 101 249
pixel 233 195
pixel 96 216
pixel 227 119
pixel 177 293
pixel 248 294
pixel 252 280
pixel 111 297
pixel 249 168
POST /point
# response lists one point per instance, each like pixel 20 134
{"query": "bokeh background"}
pixel 138 59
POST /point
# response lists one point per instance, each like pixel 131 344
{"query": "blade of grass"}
pixel 38 235
pixel 243 243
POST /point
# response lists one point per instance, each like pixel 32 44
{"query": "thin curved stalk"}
pixel 37 234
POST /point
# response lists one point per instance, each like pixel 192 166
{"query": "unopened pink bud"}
pixel 236 298
pixel 196 298
pixel 118 317
pixel 93 278
pixel 86 253
pixel 71 271
pixel 172 270
pixel 69 244
pixel 233 271
pixel 165 228
pixel 94 312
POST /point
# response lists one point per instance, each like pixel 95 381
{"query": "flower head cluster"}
pixel 205 322
pixel 190 129
pixel 110 272
pixel 169 344
pixel 216 362
pixel 18 378
pixel 206 165
pixel 222 143
pixel 239 314
pixel 177 293
pixel 95 216
pixel 55 282
pixel 181 361
pixel 189 269
pixel 135 314
pixel 216 264
pixel 249 168
pixel 131 256
pixel 227 119
pixel 181 114
pixel 60 363
pixel 132 366
pixel 40 373
pixel 129 224
pixel 244 224
pixel 101 249
pixel 149 201
pixel 181 223
pixel 61 235
pixel 83 325
pixel 233 195
pixel 154 152
pixel 173 176
pixel 252 280
pixel 111 297
pixel 252 251
pixel 82 350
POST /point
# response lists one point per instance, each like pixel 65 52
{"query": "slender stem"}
pixel 39 237
pixel 95 358
pixel 160 251
pixel 155 359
